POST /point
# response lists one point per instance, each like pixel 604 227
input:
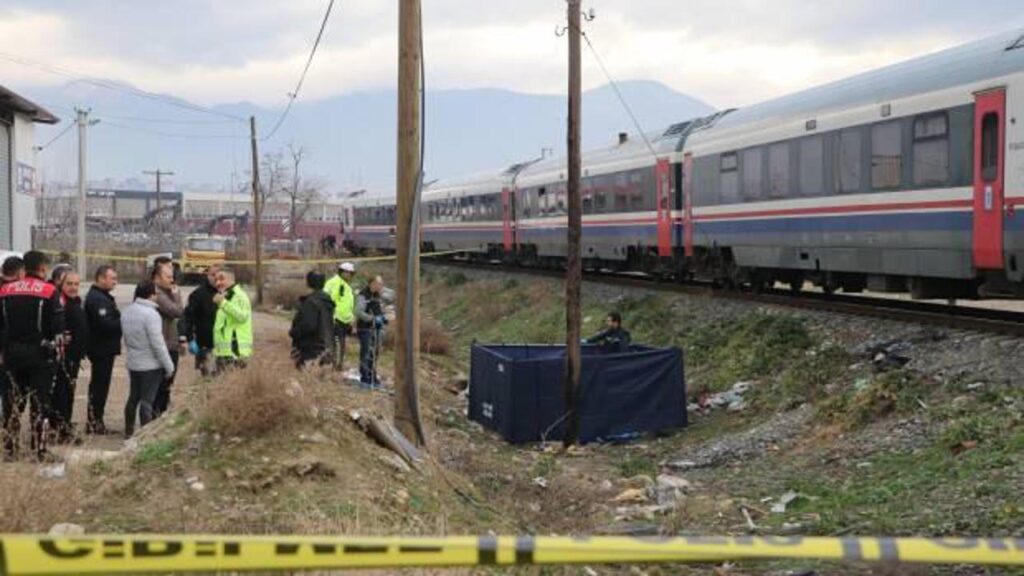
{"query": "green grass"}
pixel 636 465
pixel 894 393
pixel 159 453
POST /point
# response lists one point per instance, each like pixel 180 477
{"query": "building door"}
pixel 989 160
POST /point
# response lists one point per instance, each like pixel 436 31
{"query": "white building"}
pixel 18 185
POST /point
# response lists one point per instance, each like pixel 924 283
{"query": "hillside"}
pixel 351 137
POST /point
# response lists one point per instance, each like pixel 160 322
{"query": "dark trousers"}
pixel 141 398
pixel 205 363
pixel 338 351
pixel 99 386
pixel 30 385
pixel 367 357
pixel 226 364
pixel 64 397
pixel 163 396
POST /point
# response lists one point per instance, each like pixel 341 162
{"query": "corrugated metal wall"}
pixel 5 186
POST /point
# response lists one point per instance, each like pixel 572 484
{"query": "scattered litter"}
pixel 975 386
pixel 589 571
pixel 540 481
pixel 732 399
pixel 197 487
pixel 750 521
pixel 683 465
pixel 54 472
pixel 635 495
pixel 671 489
pixel 314 438
pixel 66 529
pixel 864 465
pixel 790 528
pixel 784 501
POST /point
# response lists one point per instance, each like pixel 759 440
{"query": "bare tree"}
pixel 302 193
pixel 274 176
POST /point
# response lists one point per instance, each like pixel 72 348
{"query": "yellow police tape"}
pixel 36 555
pixel 272 261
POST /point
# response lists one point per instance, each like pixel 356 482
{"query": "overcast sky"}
pixel 726 52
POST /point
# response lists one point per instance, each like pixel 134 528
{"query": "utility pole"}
pixel 257 210
pixel 574 263
pixel 407 330
pixel 82 119
pixel 158 173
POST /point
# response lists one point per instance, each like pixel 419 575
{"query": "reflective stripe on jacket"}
pixel 343 297
pixel 232 330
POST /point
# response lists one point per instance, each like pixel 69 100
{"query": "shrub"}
pixel 286 294
pixel 433 338
pixel 253 402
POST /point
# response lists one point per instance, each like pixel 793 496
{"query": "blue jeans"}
pixel 367 350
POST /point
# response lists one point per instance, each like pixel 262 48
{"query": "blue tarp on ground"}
pixel 516 390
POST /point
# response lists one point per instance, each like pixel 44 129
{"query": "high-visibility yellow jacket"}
pixel 344 299
pixel 232 329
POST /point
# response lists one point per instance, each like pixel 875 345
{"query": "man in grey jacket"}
pixel 171 308
pixel 149 362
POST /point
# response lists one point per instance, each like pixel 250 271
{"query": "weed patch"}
pixel 251 403
pixel 893 393
pixel 158 453
pixel 635 465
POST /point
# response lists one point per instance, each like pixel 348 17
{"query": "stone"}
pixel 197 486
pixel 975 386
pixel 55 472
pixel 674 482
pixel 314 438
pixel 66 529
pixel 402 496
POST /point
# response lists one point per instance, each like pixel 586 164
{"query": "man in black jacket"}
pixel 32 320
pixel 104 324
pixel 76 338
pixel 614 339
pixel 13 270
pixel 197 323
pixel 312 330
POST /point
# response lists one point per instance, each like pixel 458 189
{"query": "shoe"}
pixel 96 428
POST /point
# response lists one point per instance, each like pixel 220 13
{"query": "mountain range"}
pixel 350 138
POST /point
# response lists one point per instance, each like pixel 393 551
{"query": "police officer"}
pixel 370 320
pixel 104 344
pixel 614 339
pixel 339 288
pixel 32 323
pixel 232 327
pixel 77 336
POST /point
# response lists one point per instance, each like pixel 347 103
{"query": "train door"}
pixel 348 225
pixel 508 216
pixel 989 161
pixel 688 204
pixel 664 203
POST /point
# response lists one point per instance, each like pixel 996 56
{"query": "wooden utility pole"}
pixel 257 210
pixel 574 263
pixel 158 173
pixel 407 329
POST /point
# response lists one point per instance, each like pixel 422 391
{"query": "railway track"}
pixel 968 318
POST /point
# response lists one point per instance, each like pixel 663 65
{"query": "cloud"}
pixel 727 52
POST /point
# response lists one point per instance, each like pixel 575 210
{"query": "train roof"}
pixel 480 183
pixel 992 57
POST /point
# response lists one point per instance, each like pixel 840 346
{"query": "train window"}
pixel 886 155
pixel 812 166
pixel 729 167
pixel 931 149
pixel 847 168
pixel 778 170
pixel 753 174
pixel 600 201
pixel 990 147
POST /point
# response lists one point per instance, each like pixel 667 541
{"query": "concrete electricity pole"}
pixel 407 329
pixel 82 119
pixel 158 173
pixel 574 263
pixel 257 209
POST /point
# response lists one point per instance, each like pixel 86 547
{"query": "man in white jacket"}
pixel 149 363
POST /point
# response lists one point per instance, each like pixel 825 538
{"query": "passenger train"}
pixel 908 178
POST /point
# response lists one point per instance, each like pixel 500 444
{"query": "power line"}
pixel 170 120
pixel 302 78
pixel 164 134
pixel 116 86
pixel 618 93
pixel 55 138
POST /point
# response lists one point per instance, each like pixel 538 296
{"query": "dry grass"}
pixel 254 402
pixel 434 338
pixel 29 503
pixel 286 294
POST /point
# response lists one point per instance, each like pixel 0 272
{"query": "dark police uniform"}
pixel 103 348
pixel 32 321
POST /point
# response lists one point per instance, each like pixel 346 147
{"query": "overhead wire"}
pixel 302 77
pixel 107 122
pixel 116 86
pixel 57 137
pixel 618 93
